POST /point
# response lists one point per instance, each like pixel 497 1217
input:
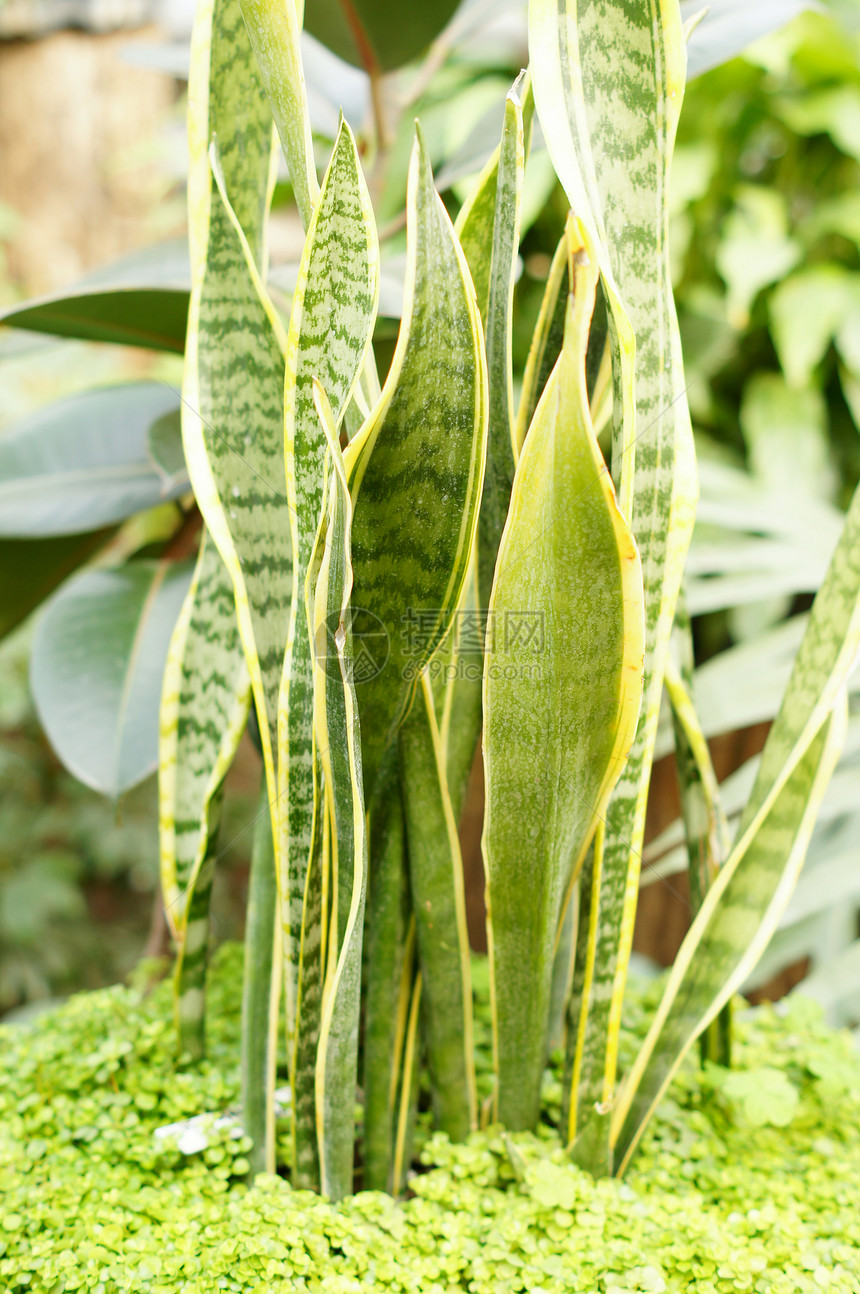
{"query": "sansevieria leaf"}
pixel 331 324
pixel 439 904
pixel 416 471
pixel 490 228
pixel 232 417
pixel 609 79
pixel 274 27
pixel 204 706
pixel 746 900
pixel 337 730
pixel 562 684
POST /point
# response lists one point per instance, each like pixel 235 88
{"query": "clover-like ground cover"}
pixel 748 1181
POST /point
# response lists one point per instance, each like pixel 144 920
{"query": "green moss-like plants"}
pixel 748 1180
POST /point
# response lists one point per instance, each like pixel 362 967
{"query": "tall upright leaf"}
pixel 490 229
pixel 204 705
pixel 609 79
pixel 416 470
pixel 232 417
pixel 331 323
pixel 561 694
pixel 337 726
pixel 439 904
pixel 273 27
pixel 748 897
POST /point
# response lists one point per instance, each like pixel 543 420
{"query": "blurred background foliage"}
pixel 766 262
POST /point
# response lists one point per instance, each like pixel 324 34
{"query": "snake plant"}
pixel 399 565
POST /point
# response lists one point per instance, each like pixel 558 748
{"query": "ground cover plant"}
pixel 394 566
pixel 747 1181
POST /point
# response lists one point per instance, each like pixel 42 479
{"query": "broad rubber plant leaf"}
pixel 30 570
pixel 140 300
pixel 693 995
pixel 416 471
pixel 273 27
pixel 96 669
pixel 439 904
pixel 609 79
pixel 82 463
pixel 378 35
pixel 232 414
pixel 204 706
pixel 331 326
pixel 562 684
pixel 337 732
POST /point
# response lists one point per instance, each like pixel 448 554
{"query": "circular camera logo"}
pixel 370 644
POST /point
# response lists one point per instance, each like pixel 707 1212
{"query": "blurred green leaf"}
pixel 30 570
pixel 378 35
pixel 807 311
pixel 755 249
pixel 833 112
pixel 164 446
pixel 81 463
pixel 96 670
pixel 140 300
pixel 786 435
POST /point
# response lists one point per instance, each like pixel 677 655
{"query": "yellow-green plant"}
pixel 377 540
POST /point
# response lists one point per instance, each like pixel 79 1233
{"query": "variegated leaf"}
pixel 389 950
pixel 232 416
pixel 416 471
pixel 331 323
pixel 609 79
pixel 438 900
pixel 204 707
pixel 761 870
pixel 273 27
pixel 337 733
pixel 561 695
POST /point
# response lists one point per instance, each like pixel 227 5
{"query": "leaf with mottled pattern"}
pixel 232 416
pixel 416 469
pixel 204 705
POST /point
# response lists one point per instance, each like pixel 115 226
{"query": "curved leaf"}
pixel 562 683
pixel 338 738
pixel 30 570
pixel 97 666
pixel 204 706
pixel 439 904
pixel 416 469
pixel 82 463
pixel 378 35
pixel 232 413
pixel 330 332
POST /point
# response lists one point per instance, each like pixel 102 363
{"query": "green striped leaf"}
pixel 609 79
pixel 204 706
pixel 546 342
pixel 232 416
pixel 273 27
pixel 330 332
pixel 438 900
pixel 731 931
pixel 761 870
pixel 260 996
pixel 337 731
pixel 389 953
pixel 490 229
pixel 416 470
pixel 561 694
